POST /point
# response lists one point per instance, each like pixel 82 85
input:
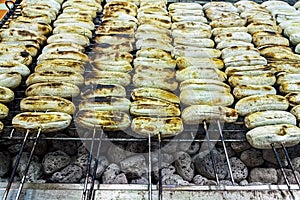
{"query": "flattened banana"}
pixel 242 91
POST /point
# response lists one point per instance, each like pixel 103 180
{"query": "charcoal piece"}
pixel 166 169
pixel 82 161
pixel 210 182
pixel 167 158
pixel 252 157
pixel 227 182
pixel 35 168
pixel 203 164
pixel 296 163
pixel 110 173
pixel 69 147
pixel 173 179
pixel 5 163
pixel 116 153
pixel 269 156
pixel 102 164
pixel 190 148
pixel 70 174
pixel 184 166
pixel 263 175
pixel 243 183
pixel 135 147
pixel 82 149
pixel 290 176
pixel 134 166
pixel 240 146
pixel 14 149
pixel 199 180
pixel 54 161
pixel 170 147
pixel 239 169
pixel 120 179
pixel 142 181
pixel 230 151
pixel 41 146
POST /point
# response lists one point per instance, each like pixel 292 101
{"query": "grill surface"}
pixel 201 134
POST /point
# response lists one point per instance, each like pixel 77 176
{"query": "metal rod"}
pixel 86 181
pixel 291 164
pixel 28 164
pixel 211 153
pixel 226 153
pixel 149 169
pixel 282 170
pixel 96 160
pixel 160 196
pixel 11 180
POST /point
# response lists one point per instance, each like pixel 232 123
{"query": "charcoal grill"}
pixel 154 190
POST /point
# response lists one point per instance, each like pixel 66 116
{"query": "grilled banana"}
pixel 239 51
pixel 154 53
pixel 263 79
pixel 47 122
pixel 64 90
pixel 227 23
pixel 154 62
pixel 269 118
pixel 202 97
pixel 204 84
pixel 293 98
pixel 258 103
pixel 114 56
pixel 46 104
pixel 254 70
pixel 14 66
pixel 40 28
pixel 195 72
pixel 263 40
pixel 196 114
pixel 140 80
pixel 76 29
pixel 3 111
pixel 74 22
pixel 262 137
pixel 105 104
pixel 68 55
pixel 184 62
pixel 16 47
pixel 242 91
pixel 62 47
pixel 231 43
pixel 217 31
pixel 288 87
pixel 15 34
pixel 287 77
pixel 154 107
pixel 6 95
pixel 10 80
pixel 107 78
pixel 235 61
pixel 42 18
pixel 106 120
pixel 241 36
pixel 157 72
pixel 118 66
pixel 22 57
pixel 167 127
pixel 55 76
pixel 103 91
pixel 154 93
pixel 72 38
pixel 195 52
pixel 60 65
pixel 191 33
pixel 195 42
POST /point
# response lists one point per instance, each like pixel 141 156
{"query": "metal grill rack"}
pixel 154 190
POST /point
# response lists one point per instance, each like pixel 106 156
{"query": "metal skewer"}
pixel 15 166
pixel 149 169
pixel 160 189
pixel 211 153
pixel 86 181
pixel 28 164
pixel 91 194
